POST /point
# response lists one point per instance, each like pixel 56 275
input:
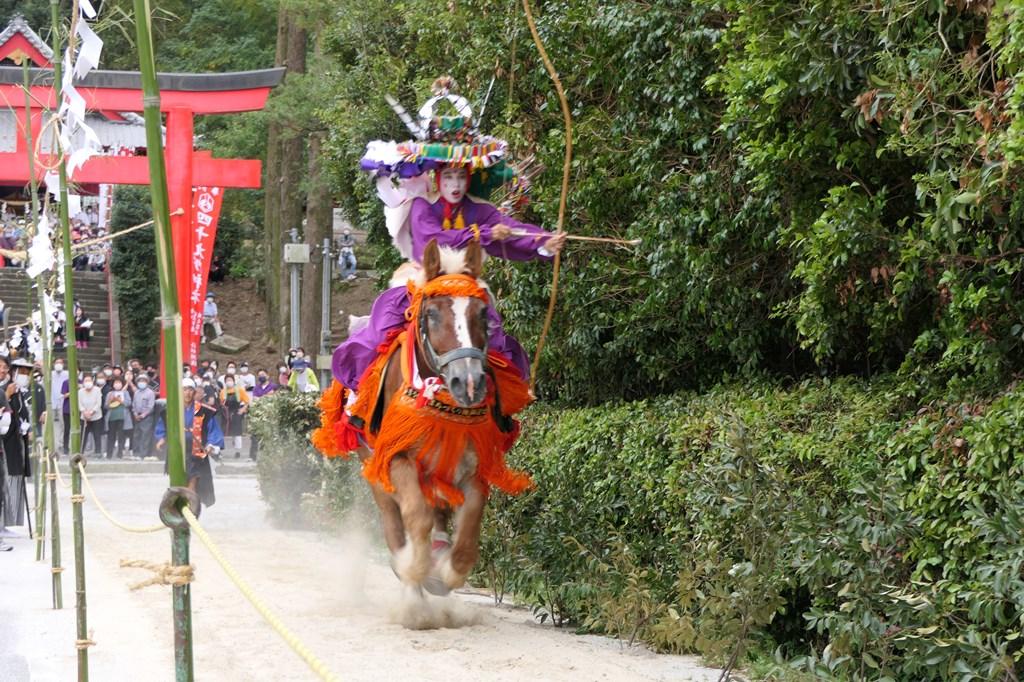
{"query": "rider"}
pixel 433 201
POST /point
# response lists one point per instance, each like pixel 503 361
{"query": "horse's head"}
pixel 452 322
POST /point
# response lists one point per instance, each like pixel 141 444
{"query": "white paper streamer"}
pixel 40 251
pixel 77 139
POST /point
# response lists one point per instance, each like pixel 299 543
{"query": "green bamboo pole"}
pixel 44 463
pixel 174 418
pixel 40 484
pixel 55 568
pixel 81 613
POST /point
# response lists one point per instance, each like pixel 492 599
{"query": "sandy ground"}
pixel 334 592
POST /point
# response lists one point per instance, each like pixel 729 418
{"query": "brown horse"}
pixel 450 351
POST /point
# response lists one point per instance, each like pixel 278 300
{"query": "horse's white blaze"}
pixel 460 309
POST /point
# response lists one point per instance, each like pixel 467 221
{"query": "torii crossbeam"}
pixel 182 96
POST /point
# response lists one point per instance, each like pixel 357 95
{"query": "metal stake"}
pixel 325 312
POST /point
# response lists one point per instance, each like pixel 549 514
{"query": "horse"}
pixel 433 447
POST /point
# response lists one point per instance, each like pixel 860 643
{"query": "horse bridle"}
pixel 437 363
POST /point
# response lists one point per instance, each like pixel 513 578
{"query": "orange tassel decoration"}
pixel 335 437
pixel 437 432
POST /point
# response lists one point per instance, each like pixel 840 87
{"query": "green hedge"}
pixel 300 487
pixel 827 528
pixel 829 522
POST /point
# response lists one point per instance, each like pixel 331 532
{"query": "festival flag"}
pixel 206 203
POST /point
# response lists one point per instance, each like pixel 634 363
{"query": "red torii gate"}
pixel 182 96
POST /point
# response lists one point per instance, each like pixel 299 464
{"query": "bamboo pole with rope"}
pixel 34 187
pixel 563 199
pixel 83 641
pixel 174 417
pixel 48 433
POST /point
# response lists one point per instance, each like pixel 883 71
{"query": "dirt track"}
pixel 336 595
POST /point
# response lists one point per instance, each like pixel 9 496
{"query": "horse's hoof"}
pixel 435 586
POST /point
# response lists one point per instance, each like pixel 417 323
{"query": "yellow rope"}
pixel 566 170
pixel 103 510
pixel 56 474
pixel 298 647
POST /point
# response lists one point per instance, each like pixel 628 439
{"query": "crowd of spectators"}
pixel 89 255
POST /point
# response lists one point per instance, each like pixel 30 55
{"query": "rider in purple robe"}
pixel 454 219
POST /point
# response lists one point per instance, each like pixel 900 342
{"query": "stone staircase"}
pixel 91 290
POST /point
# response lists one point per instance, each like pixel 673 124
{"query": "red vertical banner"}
pixel 206 205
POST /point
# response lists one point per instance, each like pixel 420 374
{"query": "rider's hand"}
pixel 501 232
pixel 555 243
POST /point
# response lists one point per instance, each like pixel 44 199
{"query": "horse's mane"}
pixel 453 262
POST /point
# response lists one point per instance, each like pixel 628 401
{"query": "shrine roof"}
pixel 18 26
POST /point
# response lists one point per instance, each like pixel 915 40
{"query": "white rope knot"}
pixel 163 574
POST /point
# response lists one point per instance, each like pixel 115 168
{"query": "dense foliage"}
pixel 300 487
pixel 823 520
pixel 821 186
pixel 133 266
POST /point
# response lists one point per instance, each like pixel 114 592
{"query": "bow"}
pixel 566 167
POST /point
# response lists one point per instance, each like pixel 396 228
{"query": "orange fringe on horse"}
pixel 437 434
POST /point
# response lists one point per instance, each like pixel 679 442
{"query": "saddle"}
pixel 428 424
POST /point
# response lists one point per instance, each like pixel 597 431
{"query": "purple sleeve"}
pixel 426 226
pixel 513 248
pixel 359 350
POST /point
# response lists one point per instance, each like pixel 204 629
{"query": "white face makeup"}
pixel 453 184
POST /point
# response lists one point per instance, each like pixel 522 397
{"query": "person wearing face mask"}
pixel 447 207
pixel 282 376
pixel 118 403
pixel 203 439
pixel 143 404
pixel 230 370
pixel 15 441
pixel 246 378
pixel 235 400
pixel 90 406
pixel 57 378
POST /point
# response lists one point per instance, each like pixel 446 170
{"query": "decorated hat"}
pixel 439 139
pixel 404 170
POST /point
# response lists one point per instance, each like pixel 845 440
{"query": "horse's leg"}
pixel 459 561
pixel 412 562
pixel 390 519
